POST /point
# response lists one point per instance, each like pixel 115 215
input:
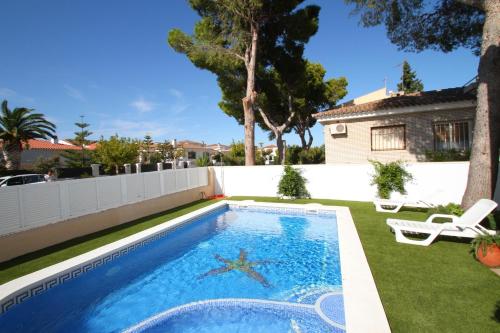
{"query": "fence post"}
pixel 128 168
pixel 138 167
pixel 159 166
pixel 95 170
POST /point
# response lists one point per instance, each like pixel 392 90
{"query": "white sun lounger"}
pixel 394 205
pixel 466 225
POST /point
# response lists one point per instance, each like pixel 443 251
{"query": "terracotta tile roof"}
pixel 42 144
pixel 91 146
pixel 402 101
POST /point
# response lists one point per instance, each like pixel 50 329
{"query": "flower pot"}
pixel 492 256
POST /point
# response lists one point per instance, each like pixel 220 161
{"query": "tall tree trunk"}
pixel 249 99
pixel 310 141
pixel 12 156
pixel 302 135
pixel 279 144
pixel 302 128
pixel 483 169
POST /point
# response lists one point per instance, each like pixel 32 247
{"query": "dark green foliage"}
pixel 450 208
pixel 116 152
pixel 390 177
pixel 155 157
pixel 314 94
pixel 297 155
pixel 222 44
pixel 203 161
pixel 482 242
pixel 79 158
pixel 236 155
pixel 43 165
pixel 147 149
pixel 17 127
pixel 447 155
pixel 416 25
pixel 409 82
pixel 292 184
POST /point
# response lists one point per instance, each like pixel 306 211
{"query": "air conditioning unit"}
pixel 338 129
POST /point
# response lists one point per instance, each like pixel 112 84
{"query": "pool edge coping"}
pixel 362 305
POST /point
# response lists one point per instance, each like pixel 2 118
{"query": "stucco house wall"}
pixel 355 146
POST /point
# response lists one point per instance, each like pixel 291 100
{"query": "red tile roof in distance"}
pixel 402 101
pixel 43 144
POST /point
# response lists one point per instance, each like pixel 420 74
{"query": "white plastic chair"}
pixel 466 225
pixel 394 205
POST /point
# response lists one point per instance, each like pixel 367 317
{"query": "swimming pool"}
pixel 245 269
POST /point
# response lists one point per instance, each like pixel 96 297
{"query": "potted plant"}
pixel 486 249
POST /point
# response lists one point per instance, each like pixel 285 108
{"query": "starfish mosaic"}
pixel 241 264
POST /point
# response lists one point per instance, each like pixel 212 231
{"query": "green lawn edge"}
pixel 439 288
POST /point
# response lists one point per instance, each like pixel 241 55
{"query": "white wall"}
pixel 435 183
pixel 28 206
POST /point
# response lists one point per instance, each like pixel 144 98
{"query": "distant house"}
pixel 270 152
pixel 399 126
pixel 193 150
pixel 36 149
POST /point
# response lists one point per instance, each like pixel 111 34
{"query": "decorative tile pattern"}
pixel 298 310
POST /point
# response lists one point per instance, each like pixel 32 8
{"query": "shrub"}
pixel 447 155
pixel 43 165
pixel 292 184
pixel 203 161
pixel 390 177
pixel 450 208
pixel 296 155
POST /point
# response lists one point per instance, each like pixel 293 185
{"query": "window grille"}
pixel 388 138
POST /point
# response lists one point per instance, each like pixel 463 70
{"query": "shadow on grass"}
pixel 496 312
pixel 136 225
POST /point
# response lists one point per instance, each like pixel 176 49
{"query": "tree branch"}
pixel 267 121
pixel 221 50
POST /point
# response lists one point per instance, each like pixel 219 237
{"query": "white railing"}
pixel 30 206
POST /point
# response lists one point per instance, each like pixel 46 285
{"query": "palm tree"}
pixel 16 128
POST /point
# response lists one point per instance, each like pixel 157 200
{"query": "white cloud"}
pixel 176 93
pixel 74 93
pixel 137 129
pixel 6 93
pixel 179 105
pixel 142 105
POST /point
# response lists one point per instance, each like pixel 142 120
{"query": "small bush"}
pixel 447 155
pixel 43 165
pixel 292 184
pixel 296 155
pixel 450 208
pixel 203 161
pixel 390 177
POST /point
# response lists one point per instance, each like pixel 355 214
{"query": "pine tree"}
pixel 409 82
pixel 79 158
pixel 146 147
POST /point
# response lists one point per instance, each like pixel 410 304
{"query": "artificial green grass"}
pixel 439 288
pixel 31 262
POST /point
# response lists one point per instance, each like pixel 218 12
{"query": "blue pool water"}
pixel 230 253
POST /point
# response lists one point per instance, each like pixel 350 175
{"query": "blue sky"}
pixel 109 60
